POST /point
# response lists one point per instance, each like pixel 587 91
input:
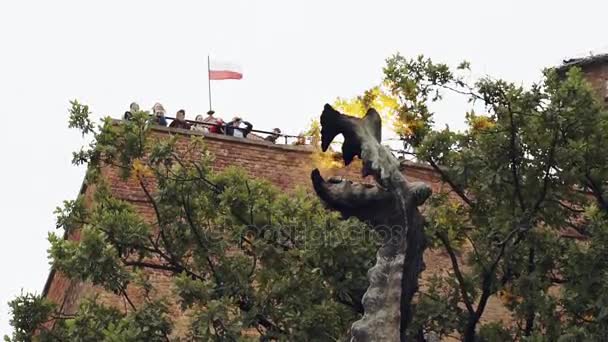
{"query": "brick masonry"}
pixel 284 165
pixel 597 75
pixel 287 167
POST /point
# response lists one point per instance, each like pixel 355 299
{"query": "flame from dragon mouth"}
pixel 344 195
pixel 362 137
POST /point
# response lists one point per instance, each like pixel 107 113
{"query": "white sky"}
pixel 296 56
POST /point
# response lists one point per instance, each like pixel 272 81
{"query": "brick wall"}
pixel 597 74
pixel 284 165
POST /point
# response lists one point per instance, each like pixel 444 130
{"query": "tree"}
pixel 529 170
pixel 242 256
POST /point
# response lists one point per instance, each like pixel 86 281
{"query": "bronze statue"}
pixel 390 206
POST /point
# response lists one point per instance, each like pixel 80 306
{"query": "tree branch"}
pixel 512 154
pixel 596 190
pixel 463 291
pixel 476 251
pixel 453 185
pixel 547 171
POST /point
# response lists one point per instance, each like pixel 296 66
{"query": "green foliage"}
pixel 414 83
pixel 72 215
pixel 493 332
pixel 92 322
pixel 437 310
pixel 520 176
pixel 586 266
pixel 29 313
pixel 242 255
pixel 79 118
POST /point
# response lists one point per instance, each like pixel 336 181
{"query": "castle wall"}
pixel 285 166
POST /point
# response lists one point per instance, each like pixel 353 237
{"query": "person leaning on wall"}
pixel 133 108
pixel 199 127
pixel 180 120
pixel 238 127
pixel 217 124
pixel 301 140
pixel 276 133
pixel 159 115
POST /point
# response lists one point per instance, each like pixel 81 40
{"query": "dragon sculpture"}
pixel 390 207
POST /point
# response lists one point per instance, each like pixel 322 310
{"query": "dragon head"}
pixel 362 139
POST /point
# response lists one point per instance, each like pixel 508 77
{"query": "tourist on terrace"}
pixel 159 115
pixel 218 124
pixel 301 140
pixel 274 136
pixel 199 127
pixel 238 128
pixel 133 108
pixel 180 120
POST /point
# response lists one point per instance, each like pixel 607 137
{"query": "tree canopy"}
pixel 526 173
pixel 241 255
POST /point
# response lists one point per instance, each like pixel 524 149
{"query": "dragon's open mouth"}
pixel 362 139
pixel 350 197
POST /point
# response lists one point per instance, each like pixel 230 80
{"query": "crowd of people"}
pixel 237 127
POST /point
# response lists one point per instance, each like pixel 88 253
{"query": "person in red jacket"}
pixel 218 124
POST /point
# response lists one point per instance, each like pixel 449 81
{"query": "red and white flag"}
pixel 221 70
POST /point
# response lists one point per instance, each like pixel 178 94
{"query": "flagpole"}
pixel 209 80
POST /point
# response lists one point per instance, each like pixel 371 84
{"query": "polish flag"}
pixel 220 70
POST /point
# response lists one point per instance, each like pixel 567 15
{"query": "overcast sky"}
pixel 296 56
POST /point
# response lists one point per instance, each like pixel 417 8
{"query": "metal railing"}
pixel 225 125
pixel 403 153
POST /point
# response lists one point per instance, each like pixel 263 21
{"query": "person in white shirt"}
pixel 199 127
pixel 238 127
